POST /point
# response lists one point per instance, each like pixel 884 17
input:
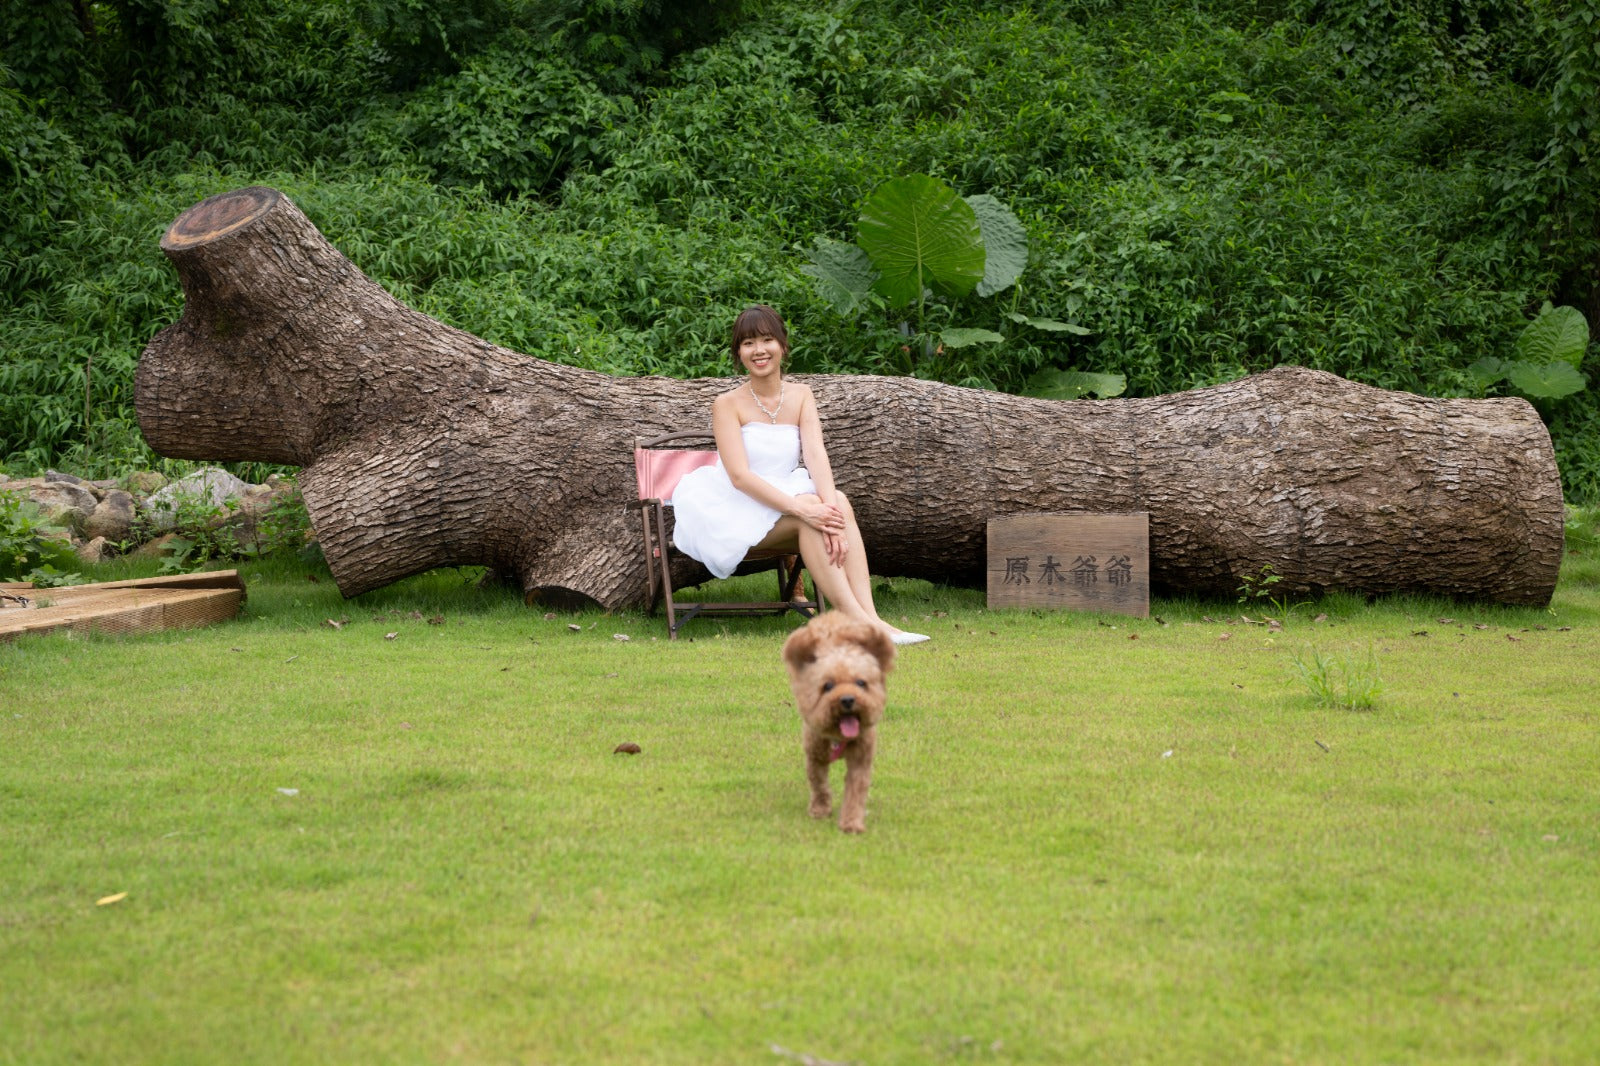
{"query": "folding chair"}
pixel 659 463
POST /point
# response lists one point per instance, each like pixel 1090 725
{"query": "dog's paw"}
pixel 821 807
pixel 853 827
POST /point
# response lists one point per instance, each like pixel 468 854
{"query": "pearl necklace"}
pixel 772 415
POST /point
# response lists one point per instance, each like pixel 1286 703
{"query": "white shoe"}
pixel 909 638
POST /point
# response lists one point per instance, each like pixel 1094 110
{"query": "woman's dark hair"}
pixel 758 321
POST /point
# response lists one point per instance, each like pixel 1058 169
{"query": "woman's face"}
pixel 761 355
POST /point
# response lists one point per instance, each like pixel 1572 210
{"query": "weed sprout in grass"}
pixel 1260 587
pixel 1341 681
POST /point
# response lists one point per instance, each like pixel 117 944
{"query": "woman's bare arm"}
pixel 813 453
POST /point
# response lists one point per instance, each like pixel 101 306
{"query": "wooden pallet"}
pixel 142 605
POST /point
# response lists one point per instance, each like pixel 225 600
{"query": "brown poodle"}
pixel 836 669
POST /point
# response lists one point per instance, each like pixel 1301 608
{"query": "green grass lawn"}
pixel 1089 839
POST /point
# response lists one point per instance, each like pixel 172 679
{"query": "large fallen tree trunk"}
pixel 424 446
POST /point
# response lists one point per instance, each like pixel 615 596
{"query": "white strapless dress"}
pixel 715 522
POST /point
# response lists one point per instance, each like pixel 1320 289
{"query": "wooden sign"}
pixel 1084 562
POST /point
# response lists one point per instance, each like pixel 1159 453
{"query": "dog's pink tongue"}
pixel 849 726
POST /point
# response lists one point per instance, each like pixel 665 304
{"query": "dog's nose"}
pixel 847 702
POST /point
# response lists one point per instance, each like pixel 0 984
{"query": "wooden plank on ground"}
pixel 209 579
pixel 122 611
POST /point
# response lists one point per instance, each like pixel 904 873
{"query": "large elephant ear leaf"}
pixel 1559 333
pixel 921 235
pixel 1551 381
pixel 841 273
pixel 1005 244
pixel 1073 384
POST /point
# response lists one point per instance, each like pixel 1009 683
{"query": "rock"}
pixel 58 477
pixel 64 503
pixel 96 551
pixel 211 486
pixel 113 518
pixel 154 549
pixel 145 482
pixel 21 485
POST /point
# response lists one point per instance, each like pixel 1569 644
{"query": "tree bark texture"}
pixel 424 446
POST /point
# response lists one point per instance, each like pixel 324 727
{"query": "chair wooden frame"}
pixel 655 488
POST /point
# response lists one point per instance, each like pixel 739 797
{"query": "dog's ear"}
pixel 878 644
pixel 801 648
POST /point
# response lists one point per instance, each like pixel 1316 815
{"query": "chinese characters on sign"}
pixel 1091 562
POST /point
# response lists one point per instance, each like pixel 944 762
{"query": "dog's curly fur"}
pixel 836 671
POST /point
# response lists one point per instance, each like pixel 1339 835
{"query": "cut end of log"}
pixel 219 215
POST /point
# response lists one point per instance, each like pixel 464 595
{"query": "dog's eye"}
pixel 827 686
pixel 860 682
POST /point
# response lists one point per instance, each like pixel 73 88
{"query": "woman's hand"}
pixel 837 546
pixel 825 518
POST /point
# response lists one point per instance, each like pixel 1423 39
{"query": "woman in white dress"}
pixel 772 486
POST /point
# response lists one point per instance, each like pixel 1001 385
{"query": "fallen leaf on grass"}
pixel 405 725
pixel 628 748
pixel 291 658
pixel 1419 632
pixel 550 616
pixel 1323 746
pixel 620 636
pixel 1320 618
pixel 390 636
pixel 575 627
pixel 1512 639
pixel 1551 837
pixel 289 791
pixel 105 901
pixel 1167 754
pixel 1479 625
pixel 340 624
pixel 1225 636
pixel 436 620
pixel 1446 621
pixel 802 1058
pixel 314 579
pixel 1133 636
pixel 415 616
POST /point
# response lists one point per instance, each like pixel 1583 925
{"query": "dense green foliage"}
pixel 1389 190
pixel 30 548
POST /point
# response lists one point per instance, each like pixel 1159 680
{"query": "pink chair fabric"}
pixel 660 469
